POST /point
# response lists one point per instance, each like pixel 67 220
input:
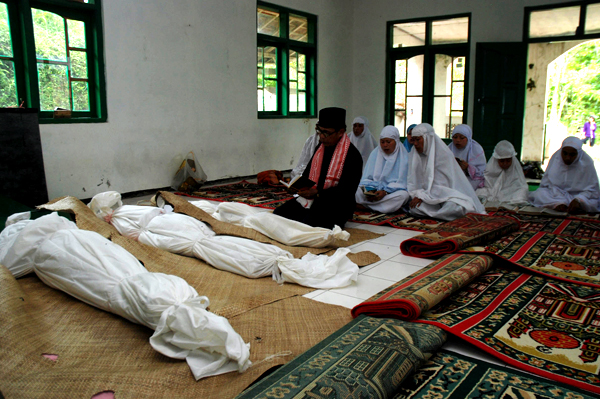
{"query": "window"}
pixel 570 21
pixel 286 62
pixel 51 57
pixel 427 72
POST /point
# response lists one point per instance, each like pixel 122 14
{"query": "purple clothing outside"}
pixel 589 129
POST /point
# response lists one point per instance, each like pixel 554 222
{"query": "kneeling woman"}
pixel 570 183
pixel 437 185
pixel 384 176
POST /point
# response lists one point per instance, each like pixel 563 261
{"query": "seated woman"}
pixel 570 183
pixel 408 142
pixel 504 178
pixel 384 176
pixel 469 155
pixel 362 138
pixel 437 185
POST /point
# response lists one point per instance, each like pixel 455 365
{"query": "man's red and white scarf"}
pixel 336 165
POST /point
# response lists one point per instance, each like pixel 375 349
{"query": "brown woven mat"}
pixel 98 351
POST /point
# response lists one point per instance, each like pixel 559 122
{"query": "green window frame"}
pixel 581 21
pixel 66 69
pixel 419 52
pixel 286 62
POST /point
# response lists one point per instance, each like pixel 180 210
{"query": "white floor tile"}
pixel 334 298
pixel 364 288
pixel 389 239
pixel 384 251
pixel 392 271
pixel 364 269
pixel 407 233
pixel 313 294
pixel 410 260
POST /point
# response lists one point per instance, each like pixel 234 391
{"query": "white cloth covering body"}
pixel 286 231
pixel 188 236
pixel 473 154
pixel 365 143
pixel 385 172
pixel 308 150
pixel 563 183
pixel 100 273
pixel 436 178
pixel 504 186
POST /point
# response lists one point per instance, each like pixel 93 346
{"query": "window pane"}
pixel 400 71
pixel 301 81
pixel 259 57
pixel 293 65
pixel 81 96
pixel 54 86
pixel 302 101
pixel 267 22
pixel 556 22
pixel 271 95
pixel 441 116
pixel 400 121
pixel 78 64
pixel 414 110
pixel 414 79
pixel 592 19
pixel 260 100
pixel 458 71
pixel 442 77
pixel 5 42
pixel 270 54
pixel 455 30
pixel 400 96
pixel 408 34
pixel 302 62
pixel 76 33
pixel 8 94
pixel 260 78
pixel 298 28
pixel 458 96
pixel 49 33
pixel 293 97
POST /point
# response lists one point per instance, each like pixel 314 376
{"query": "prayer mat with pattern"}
pixel 367 358
pixel 417 293
pixel 449 375
pixel 546 327
pixel 469 230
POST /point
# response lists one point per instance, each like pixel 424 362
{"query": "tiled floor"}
pixel 392 268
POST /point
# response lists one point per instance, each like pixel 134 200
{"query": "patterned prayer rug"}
pixel 469 230
pixel 573 226
pixel 417 293
pixel 399 220
pixel 538 325
pixel 367 358
pixel 449 375
pixel 245 192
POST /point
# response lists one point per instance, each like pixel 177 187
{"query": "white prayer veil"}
pixel 562 183
pixel 472 153
pixel 502 185
pixel 308 150
pixel 365 143
pixel 387 171
pixel 434 175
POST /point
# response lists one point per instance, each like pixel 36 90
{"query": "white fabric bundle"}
pixel 285 231
pixel 184 235
pixel 94 270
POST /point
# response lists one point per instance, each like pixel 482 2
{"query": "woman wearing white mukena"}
pixel 437 185
pixel 384 176
pixel 570 183
pixel 504 178
pixel 362 138
pixel 469 154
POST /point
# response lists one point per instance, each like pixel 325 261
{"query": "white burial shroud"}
pixel 278 228
pixel 102 274
pixel 185 235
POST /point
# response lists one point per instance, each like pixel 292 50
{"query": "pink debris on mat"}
pixel 50 356
pixel 104 395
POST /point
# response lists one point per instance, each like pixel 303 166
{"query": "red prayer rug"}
pixel 546 327
pixel 469 230
pixel 419 292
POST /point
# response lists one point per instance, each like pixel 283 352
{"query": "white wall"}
pixel 181 76
pixel 491 21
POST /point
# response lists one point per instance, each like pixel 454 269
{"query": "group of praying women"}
pixel 431 179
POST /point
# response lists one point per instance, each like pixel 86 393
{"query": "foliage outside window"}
pixel 60 62
pixel 427 72
pixel 286 62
